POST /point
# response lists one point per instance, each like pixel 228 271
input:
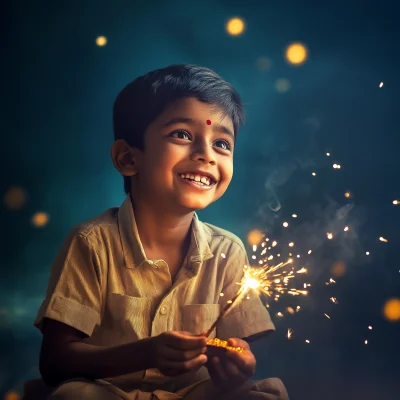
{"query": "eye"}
pixel 181 134
pixel 224 145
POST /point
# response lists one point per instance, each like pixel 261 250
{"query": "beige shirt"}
pixel 102 284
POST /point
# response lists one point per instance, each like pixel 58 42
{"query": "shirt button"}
pixel 163 310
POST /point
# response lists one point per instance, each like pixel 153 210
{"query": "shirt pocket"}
pixel 130 317
pixel 198 318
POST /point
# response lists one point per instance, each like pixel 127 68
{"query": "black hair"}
pixel 145 98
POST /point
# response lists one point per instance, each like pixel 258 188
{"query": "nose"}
pixel 204 154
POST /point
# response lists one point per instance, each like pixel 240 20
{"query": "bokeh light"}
pixel 263 64
pixel 282 85
pixel 101 41
pixel 391 310
pixel 347 195
pixel 254 237
pixel 235 26
pixel 12 396
pixel 296 54
pixel 15 198
pixel 338 269
pixel 40 219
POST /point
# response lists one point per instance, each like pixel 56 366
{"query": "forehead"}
pixel 192 108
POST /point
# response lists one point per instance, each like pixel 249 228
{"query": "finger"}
pixel 241 362
pixel 233 372
pixel 179 355
pixel 179 367
pixel 217 372
pixel 183 341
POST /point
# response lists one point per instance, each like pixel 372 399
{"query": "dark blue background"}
pixel 58 90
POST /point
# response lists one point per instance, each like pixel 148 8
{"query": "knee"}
pixel 274 387
pixel 77 389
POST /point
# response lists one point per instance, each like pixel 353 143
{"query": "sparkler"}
pixel 269 280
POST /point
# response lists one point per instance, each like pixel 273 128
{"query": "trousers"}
pixel 83 389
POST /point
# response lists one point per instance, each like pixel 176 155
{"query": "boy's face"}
pixel 179 154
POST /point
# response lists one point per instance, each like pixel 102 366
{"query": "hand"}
pixel 231 369
pixel 177 352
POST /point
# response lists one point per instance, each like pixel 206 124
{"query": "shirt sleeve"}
pixel 249 317
pixel 74 290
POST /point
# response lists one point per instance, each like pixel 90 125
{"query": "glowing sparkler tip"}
pixel 382 239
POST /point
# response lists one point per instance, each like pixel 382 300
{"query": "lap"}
pixel 267 389
pixel 83 389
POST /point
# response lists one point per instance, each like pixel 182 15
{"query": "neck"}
pixel 159 229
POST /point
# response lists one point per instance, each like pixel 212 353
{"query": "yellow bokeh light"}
pixel 12 396
pixel 40 219
pixel 296 53
pixel 391 309
pixel 101 41
pixel 254 237
pixel 15 198
pixel 338 269
pixel 347 195
pixel 235 26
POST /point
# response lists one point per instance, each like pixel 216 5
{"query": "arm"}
pixel 64 356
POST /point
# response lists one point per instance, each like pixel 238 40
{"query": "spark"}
pixel 298 308
pixel 329 235
pixel 396 202
pixel 346 228
pixel 307 341
pixel 336 166
pixel 327 316
pixel 223 255
pixel 314 174
pixel 334 300
pixel 274 243
pixel 309 252
pixel 382 239
pixel 290 310
pixel 254 247
pixel 365 341
pixel 347 195
pixel 330 281
pixel 302 271
pixel 279 314
pixel 294 215
pixel 285 224
pixel 291 244
pixel 381 84
pixel 328 154
pixel 370 328
pixel 367 253
pixel 289 333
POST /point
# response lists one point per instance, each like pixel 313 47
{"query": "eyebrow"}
pixel 191 121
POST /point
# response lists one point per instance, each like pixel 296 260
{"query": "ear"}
pixel 124 158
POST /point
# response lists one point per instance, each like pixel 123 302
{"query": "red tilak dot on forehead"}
pixel 208 122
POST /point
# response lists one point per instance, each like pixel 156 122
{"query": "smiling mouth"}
pixel 200 180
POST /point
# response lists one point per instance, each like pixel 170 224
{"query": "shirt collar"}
pixel 134 254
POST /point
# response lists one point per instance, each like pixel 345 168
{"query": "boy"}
pixel 132 290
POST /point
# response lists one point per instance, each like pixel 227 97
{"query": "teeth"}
pixel 197 178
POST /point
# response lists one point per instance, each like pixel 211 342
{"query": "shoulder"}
pixel 220 237
pixel 100 226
